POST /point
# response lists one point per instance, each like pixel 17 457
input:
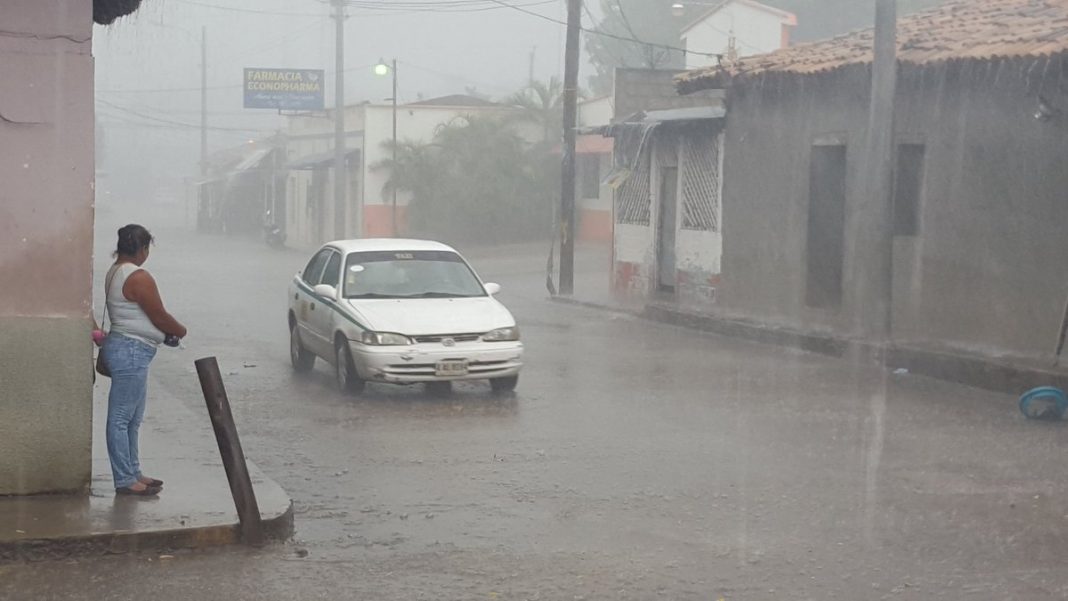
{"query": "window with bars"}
pixel 701 182
pixel 633 199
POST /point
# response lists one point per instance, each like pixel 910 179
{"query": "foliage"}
pixel 649 21
pixel 477 181
pixel 541 104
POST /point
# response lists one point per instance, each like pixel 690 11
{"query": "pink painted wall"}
pixel 46 235
pixel 46 157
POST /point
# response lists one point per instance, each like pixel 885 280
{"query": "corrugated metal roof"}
pixel 966 29
pixel 693 113
pixel 253 160
pixel 316 160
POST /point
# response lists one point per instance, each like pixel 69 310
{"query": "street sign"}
pixel 284 89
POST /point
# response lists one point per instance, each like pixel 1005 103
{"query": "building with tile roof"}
pixel 980 259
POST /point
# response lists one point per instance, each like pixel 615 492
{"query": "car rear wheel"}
pixel 303 360
pixel 506 384
pixel 348 380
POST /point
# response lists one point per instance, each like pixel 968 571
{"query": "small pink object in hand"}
pixel 98 337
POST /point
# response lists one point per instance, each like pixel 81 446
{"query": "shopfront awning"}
pixel 633 135
pixel 319 160
pixel 252 161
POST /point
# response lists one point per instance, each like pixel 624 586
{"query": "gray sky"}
pixel 148 65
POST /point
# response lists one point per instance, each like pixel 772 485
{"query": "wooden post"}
pixel 233 458
pixel 567 193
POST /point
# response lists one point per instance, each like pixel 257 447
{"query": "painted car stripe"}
pixel 304 287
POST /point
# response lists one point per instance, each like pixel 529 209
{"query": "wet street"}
pixel 635 461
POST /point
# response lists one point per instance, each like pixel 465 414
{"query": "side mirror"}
pixel 326 290
pixel 493 289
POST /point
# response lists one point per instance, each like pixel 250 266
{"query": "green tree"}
pixel 541 104
pixel 651 22
pixel 477 181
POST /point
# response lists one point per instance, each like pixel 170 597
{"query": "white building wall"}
pixel 756 31
pixel 369 128
pixel 698 253
pixel 597 111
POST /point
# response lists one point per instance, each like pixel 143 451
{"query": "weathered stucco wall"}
pixel 46 228
pixel 770 132
pixel 988 270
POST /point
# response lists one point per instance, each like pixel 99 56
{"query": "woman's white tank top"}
pixel 127 317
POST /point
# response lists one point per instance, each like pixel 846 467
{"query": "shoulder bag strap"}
pixel 107 292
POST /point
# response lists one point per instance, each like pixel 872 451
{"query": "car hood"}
pixel 429 316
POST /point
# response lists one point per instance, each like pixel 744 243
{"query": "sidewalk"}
pixel 1000 374
pixel 195 508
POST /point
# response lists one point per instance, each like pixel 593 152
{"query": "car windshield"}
pixel 409 274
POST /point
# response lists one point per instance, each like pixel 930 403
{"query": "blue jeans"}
pixel 128 360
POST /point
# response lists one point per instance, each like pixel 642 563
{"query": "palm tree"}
pixel 414 170
pixel 477 180
pixel 541 104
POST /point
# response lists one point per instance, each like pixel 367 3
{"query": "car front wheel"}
pixel 303 360
pixel 506 384
pixel 348 381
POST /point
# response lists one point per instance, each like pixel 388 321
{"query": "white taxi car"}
pixel 402 312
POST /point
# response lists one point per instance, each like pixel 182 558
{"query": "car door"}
pixel 322 315
pixel 307 304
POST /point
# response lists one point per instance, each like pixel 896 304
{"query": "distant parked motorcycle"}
pixel 273 234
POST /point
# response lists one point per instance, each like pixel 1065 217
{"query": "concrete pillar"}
pixel 46 242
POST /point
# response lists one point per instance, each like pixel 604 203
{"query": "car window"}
pixel 332 274
pixel 315 267
pixel 408 274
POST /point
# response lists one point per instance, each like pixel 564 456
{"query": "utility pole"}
pixel 340 201
pixel 530 72
pixel 567 188
pixel 877 211
pixel 394 218
pixel 203 101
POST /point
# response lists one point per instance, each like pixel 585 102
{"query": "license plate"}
pixel 451 368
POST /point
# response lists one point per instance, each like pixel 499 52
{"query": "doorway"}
pixel 666 228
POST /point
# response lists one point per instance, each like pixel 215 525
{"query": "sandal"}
pixel 151 482
pixel 149 491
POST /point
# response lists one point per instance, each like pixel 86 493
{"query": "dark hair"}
pixel 132 238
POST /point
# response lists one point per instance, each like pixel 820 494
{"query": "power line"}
pixel 250 10
pixel 170 121
pixel 651 59
pixel 454 76
pixel 401 6
pixel 605 33
pixel 439 7
pixel 119 121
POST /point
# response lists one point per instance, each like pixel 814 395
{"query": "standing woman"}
pixel 139 323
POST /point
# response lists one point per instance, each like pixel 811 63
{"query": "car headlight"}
pixel 385 339
pixel 502 335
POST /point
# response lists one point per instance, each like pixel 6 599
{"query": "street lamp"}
pixel 678 9
pixel 382 69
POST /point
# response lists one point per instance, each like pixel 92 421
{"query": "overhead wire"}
pixel 400 6
pixel 606 34
pixel 172 122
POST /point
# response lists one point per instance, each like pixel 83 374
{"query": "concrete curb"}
pixel 276 528
pixel 971 370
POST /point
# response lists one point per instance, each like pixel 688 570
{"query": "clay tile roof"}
pixel 964 29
